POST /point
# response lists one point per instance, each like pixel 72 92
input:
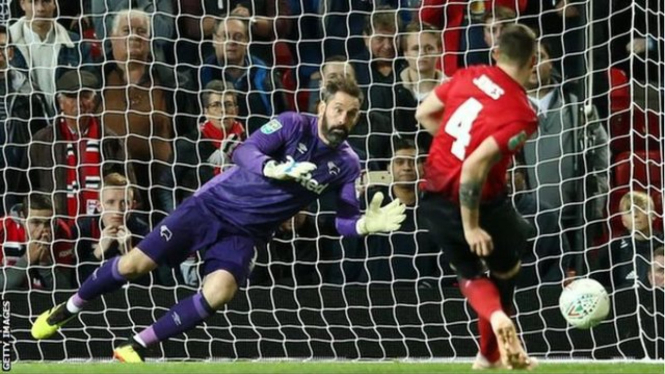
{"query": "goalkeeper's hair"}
pixel 517 44
pixel 346 84
pixel 36 201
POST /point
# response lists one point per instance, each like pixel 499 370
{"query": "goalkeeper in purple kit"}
pixel 286 165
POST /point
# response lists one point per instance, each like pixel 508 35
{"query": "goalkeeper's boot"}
pixel 50 321
pixel 482 363
pixel 130 352
pixel 513 355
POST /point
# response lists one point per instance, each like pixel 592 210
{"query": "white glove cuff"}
pixel 361 226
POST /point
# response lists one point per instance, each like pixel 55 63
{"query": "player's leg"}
pixel 168 243
pixel 481 292
pixel 488 356
pixel 219 288
pixel 227 264
pixel 509 235
pixel 107 278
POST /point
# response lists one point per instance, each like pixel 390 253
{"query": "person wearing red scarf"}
pixel 70 157
pixel 206 152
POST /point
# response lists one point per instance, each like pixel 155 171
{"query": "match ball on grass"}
pixel 584 303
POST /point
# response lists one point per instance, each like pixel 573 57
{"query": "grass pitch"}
pixel 284 367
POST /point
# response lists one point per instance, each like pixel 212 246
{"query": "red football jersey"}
pixel 479 102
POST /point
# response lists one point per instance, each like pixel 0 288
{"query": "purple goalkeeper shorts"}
pixel 191 227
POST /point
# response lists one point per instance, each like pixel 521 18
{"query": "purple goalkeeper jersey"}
pixel 257 205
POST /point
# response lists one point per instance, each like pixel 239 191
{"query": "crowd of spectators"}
pixel 115 111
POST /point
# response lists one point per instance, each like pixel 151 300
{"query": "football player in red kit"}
pixel 480 118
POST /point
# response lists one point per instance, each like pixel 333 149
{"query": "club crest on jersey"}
pixel 271 127
pixel 332 168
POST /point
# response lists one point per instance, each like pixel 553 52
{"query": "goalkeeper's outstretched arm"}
pixel 349 222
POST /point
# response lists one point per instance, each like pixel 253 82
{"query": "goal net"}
pixel 178 85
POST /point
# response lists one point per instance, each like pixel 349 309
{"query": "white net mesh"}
pixel 599 92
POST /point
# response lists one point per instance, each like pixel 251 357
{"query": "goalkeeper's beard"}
pixel 334 135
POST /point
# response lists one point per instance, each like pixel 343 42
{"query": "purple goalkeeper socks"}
pixel 105 279
pixel 182 317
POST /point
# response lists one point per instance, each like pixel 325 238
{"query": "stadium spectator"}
pixel 568 158
pixel 44 50
pixel 561 23
pixel 546 260
pixel 250 77
pixel 140 98
pixel 408 256
pixel 449 16
pixel 207 151
pixel 162 13
pixel 422 46
pixel 112 231
pixel 36 250
pixel 480 50
pixel 656 274
pixel 343 23
pixel 377 69
pixel 268 21
pixel 70 157
pixel 626 259
pixel 637 43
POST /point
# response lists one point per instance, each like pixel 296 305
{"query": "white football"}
pixel 584 303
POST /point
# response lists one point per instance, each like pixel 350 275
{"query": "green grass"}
pixel 275 367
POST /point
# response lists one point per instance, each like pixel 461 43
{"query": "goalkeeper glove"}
pixel 290 169
pixel 378 219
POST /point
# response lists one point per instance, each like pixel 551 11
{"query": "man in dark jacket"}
pixel 71 156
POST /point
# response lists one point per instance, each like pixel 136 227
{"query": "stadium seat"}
pixel 619 90
pixel 635 129
pixel 290 86
pixel 641 169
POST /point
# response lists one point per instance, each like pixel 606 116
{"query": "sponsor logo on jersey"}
pixel 488 87
pixel 302 148
pixel 311 184
pixel 271 127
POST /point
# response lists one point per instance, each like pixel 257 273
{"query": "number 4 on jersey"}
pixel 459 126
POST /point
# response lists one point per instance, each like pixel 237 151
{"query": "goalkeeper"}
pixel 286 165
